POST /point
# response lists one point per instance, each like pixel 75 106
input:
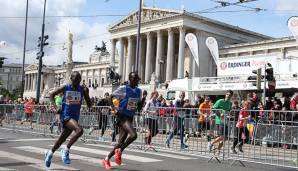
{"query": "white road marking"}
pixel 38 164
pixel 6 169
pixel 32 139
pixel 57 154
pixel 124 156
pixel 148 152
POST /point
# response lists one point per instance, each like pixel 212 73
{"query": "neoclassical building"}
pixel 162 46
pixel 163 51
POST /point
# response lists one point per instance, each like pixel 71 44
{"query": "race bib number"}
pixel 132 103
pixel 73 98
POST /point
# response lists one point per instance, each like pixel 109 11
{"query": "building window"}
pixel 89 82
pixel 102 81
pixel 95 83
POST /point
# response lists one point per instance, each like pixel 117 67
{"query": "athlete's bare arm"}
pixel 86 96
pixel 54 93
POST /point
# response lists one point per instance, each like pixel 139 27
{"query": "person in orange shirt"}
pixel 204 119
pixel 29 106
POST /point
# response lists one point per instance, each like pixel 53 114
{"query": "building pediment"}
pixel 148 14
pixel 31 67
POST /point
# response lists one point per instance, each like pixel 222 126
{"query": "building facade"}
pixel 164 55
pixel 162 46
pixel 11 76
pixel 94 76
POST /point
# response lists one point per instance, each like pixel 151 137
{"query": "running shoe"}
pixel 65 156
pixel 118 154
pixel 233 151
pixel 106 164
pixel 183 146
pixel 48 158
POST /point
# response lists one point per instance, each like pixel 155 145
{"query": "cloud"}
pixel 85 36
pixel 12 30
pixel 286 6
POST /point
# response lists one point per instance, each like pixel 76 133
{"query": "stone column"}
pixel 113 44
pixel 148 58
pixel 159 55
pixel 170 55
pixel 143 58
pixel 41 84
pixel 32 82
pixel 25 84
pixel 204 55
pixel 121 58
pixel 130 57
pixel 29 82
pixel 181 56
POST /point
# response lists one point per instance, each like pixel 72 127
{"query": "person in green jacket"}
pixel 222 107
pixel 58 102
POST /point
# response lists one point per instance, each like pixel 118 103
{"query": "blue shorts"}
pixel 66 117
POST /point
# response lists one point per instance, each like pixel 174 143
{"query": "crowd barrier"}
pixel 265 137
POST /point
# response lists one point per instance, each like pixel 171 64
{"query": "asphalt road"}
pixel 25 152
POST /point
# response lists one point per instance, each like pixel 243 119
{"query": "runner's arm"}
pixel 54 93
pixel 86 96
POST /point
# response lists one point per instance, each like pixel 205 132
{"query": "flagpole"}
pixel 138 37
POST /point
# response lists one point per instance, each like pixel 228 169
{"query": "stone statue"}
pixel 103 47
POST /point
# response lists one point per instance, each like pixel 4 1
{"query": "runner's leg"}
pixel 122 137
pixel 132 135
pixel 65 133
pixel 73 125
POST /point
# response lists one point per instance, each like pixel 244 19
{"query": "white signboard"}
pixel 212 45
pixel 243 65
pixel 192 42
pixel 293 26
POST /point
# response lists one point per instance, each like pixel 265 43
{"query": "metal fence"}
pixel 266 137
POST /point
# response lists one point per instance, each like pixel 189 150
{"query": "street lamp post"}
pixel 138 37
pixel 40 56
pixel 24 52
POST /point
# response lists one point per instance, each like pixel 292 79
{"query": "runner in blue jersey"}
pixel 73 95
pixel 130 96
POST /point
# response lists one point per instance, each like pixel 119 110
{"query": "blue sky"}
pixel 90 31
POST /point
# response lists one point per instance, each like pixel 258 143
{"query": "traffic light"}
pixel 256 79
pixel 39 41
pixel 45 38
pixel 269 73
pixel 1 61
pixel 270 77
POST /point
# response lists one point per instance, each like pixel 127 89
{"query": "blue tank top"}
pixel 128 104
pixel 72 100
